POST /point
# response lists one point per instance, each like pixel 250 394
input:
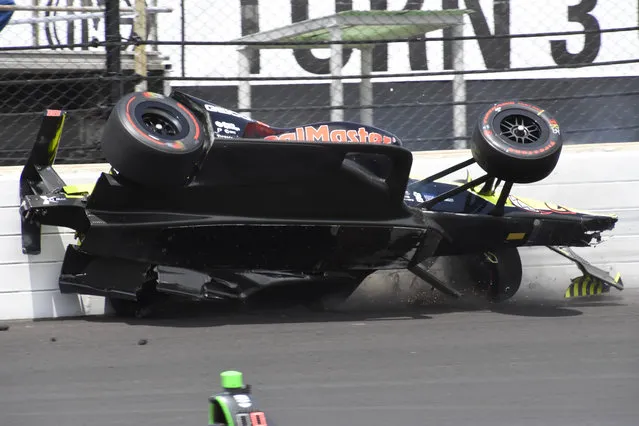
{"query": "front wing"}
pixel 594 281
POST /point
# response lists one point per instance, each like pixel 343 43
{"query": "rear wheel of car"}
pixel 517 142
pixel 153 140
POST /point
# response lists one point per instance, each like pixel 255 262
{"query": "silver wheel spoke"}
pixel 520 129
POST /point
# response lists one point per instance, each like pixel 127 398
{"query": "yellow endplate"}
pixel 78 190
pixel 586 285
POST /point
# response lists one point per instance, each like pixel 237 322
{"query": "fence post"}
pixel 244 85
pixel 35 29
pixel 183 36
pixel 140 51
pixel 113 39
pixel 336 65
pixel 366 85
pixel 459 88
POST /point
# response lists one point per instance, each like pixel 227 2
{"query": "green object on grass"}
pixel 231 379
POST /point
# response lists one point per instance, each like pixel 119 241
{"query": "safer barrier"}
pixel 29 286
pixel 597 177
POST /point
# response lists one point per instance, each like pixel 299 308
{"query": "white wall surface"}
pixel 28 283
pixel 600 178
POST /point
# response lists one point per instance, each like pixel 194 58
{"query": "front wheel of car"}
pixel 517 142
pixel 497 274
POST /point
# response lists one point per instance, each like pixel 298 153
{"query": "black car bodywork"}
pixel 315 217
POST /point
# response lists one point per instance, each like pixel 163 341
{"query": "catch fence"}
pixel 421 69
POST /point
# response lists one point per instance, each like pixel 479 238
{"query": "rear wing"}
pixel 38 176
pixel 41 187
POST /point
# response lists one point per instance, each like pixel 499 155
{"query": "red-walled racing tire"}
pixel 152 140
pixel 517 142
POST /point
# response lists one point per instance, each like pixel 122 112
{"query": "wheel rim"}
pixel 160 123
pixel 520 129
pixel 163 123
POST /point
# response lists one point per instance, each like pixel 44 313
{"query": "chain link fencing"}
pixel 53 55
pixel 422 69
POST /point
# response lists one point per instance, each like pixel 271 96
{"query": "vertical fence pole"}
pixel 244 85
pixel 366 85
pixel 113 39
pixel 459 88
pixel 35 29
pixel 140 51
pixel 70 26
pixel 337 85
pixel 250 23
pixel 182 36
pixel 84 29
pixel 154 27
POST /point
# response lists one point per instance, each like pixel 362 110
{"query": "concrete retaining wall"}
pixel 28 284
pixel 601 177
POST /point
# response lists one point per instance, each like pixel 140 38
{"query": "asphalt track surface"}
pixel 535 361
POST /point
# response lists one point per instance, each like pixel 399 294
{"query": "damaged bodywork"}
pixel 257 211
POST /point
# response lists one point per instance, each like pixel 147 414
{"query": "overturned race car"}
pixel 206 204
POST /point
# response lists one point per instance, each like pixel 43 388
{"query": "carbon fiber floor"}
pixel 531 363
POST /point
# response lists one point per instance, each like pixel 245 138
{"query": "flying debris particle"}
pixel 142 342
pixel 53 339
pixel 4 327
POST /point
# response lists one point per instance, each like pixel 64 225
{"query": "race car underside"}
pixel 263 214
